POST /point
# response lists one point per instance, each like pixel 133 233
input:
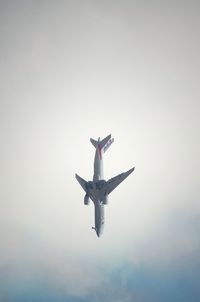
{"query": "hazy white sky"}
pixel 71 70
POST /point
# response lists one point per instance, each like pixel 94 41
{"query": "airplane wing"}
pixel 82 182
pixel 112 183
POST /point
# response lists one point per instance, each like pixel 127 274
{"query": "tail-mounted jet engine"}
pixel 86 199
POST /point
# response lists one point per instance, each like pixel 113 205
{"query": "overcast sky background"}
pixel 71 70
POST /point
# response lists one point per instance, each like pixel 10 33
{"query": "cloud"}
pixel 124 282
pixel 73 72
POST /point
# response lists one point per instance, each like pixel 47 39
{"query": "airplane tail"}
pixel 104 144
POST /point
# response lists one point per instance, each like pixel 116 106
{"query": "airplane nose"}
pixel 98 231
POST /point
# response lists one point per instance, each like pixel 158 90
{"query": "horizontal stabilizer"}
pixel 104 144
pixel 108 144
pixel 95 143
pixel 104 141
pixel 82 182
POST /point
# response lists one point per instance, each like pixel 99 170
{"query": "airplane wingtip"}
pixel 77 176
pixel 131 170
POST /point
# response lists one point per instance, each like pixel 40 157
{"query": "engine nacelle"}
pixel 105 201
pixel 86 199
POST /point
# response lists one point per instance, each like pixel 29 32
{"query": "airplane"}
pixel 99 189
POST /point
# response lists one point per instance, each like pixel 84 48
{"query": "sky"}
pixel 72 70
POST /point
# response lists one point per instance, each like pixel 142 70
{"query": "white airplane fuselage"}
pixel 98 189
pixel 98 203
